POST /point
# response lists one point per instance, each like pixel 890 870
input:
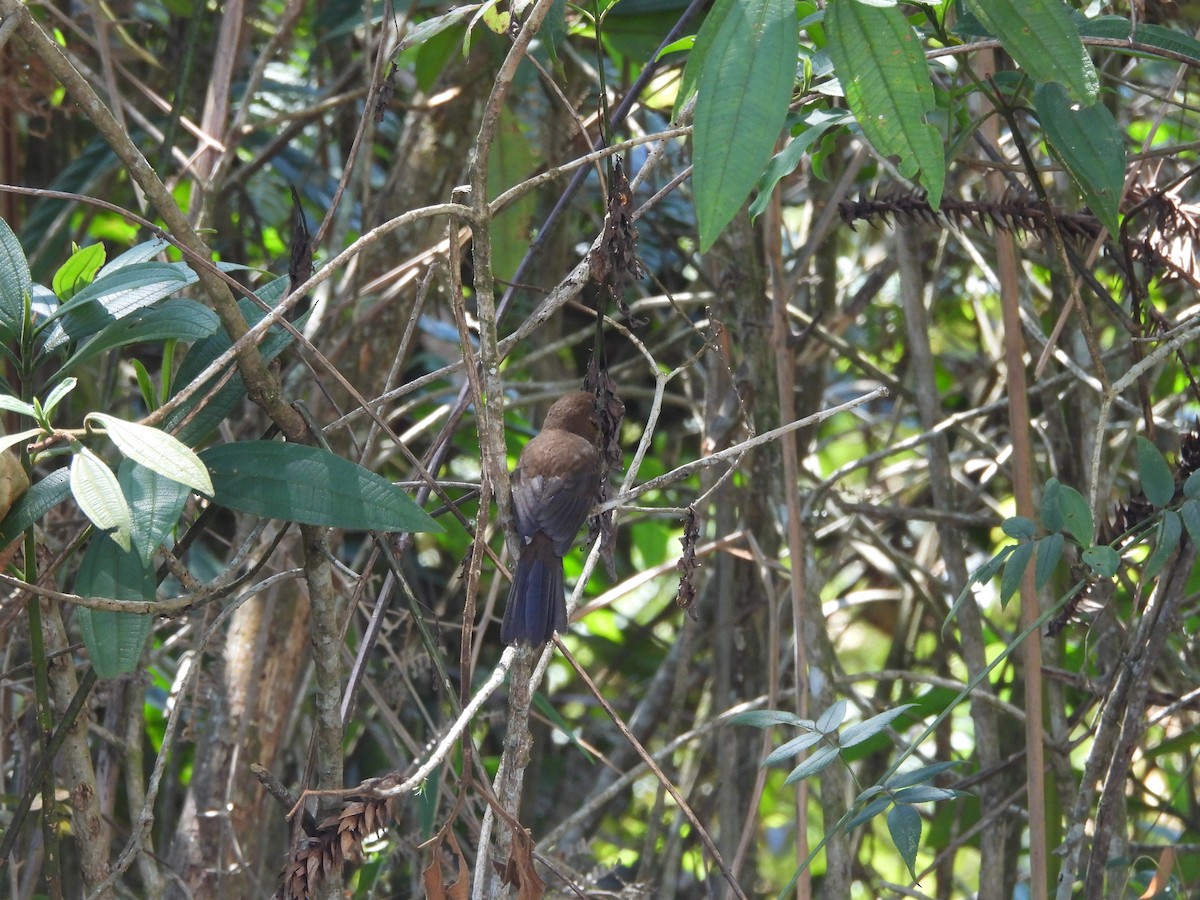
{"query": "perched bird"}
pixel 553 489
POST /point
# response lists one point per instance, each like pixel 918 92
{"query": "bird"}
pixel 553 490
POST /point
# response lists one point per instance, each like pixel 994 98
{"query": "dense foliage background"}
pixel 909 423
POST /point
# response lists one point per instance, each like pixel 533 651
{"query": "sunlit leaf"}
pixel 78 271
pixel 99 496
pixel 829 720
pixel 868 728
pixel 156 450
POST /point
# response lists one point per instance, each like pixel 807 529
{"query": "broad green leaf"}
pixel 114 639
pixel 811 766
pixel 99 495
pixel 15 280
pixel 191 426
pixel 1019 528
pixel 868 728
pixel 113 296
pixel 921 775
pixel 35 503
pixel 829 720
pixel 139 253
pixel 796 745
pixel 178 319
pixel 1102 559
pixel 1049 551
pixel 1190 512
pixel 765 718
pixel 1076 517
pixel 510 160
pixel 311 486
pixel 743 93
pixel 904 825
pixel 1168 533
pixel 702 44
pixel 1044 40
pixel 1087 141
pixel 156 503
pixel 870 811
pixel 1157 36
pixel 1191 487
pixel 786 160
pixel 882 68
pixel 78 271
pixel 1014 571
pixel 1158 484
pixel 156 450
pixel 1052 514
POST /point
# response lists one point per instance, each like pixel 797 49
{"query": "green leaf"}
pixel 15 280
pixel 982 575
pixel 870 811
pixel 114 639
pixel 765 718
pixel 1158 484
pixel 796 745
pixel 1052 514
pixel 786 160
pixel 1190 512
pixel 178 319
pixel 1076 517
pixel 1014 571
pixel 310 486
pixel 1087 141
pixel 1043 38
pixel 99 495
pixel 868 728
pixel 744 90
pixel 1019 528
pixel 139 253
pixel 9 403
pixel 1157 36
pixel 1169 531
pixel 1103 560
pixel 811 766
pixel 78 271
pixel 904 825
pixel 35 503
pixel 921 775
pixel 56 396
pixel 113 296
pixel 1191 487
pixel 156 450
pixel 925 793
pixel 422 32
pixel 11 440
pixel 829 720
pixel 714 24
pixel 156 503
pixel 882 68
pixel 511 159
pixel 1049 552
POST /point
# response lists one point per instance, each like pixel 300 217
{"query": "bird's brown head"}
pixel 574 412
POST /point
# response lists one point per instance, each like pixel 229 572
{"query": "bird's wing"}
pixel 553 504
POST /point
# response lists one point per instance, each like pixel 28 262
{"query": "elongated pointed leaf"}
pixel 743 95
pixel 1049 552
pixel 796 745
pixel 783 163
pixel 765 718
pixel 139 253
pixel 1014 571
pixel 925 793
pixel 99 495
pixel 1157 36
pixel 156 503
pixel 882 68
pixel 829 720
pixel 11 404
pixel 15 281
pixel 1170 530
pixel 1076 517
pixel 868 728
pixel 1158 484
pixel 1087 141
pixel 1044 40
pixel 35 503
pixel 921 775
pixel 904 825
pixel 310 486
pixel 78 271
pixel 870 811
pixel 1052 513
pixel 114 639
pixel 156 450
pixel 811 766
pixel 178 319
